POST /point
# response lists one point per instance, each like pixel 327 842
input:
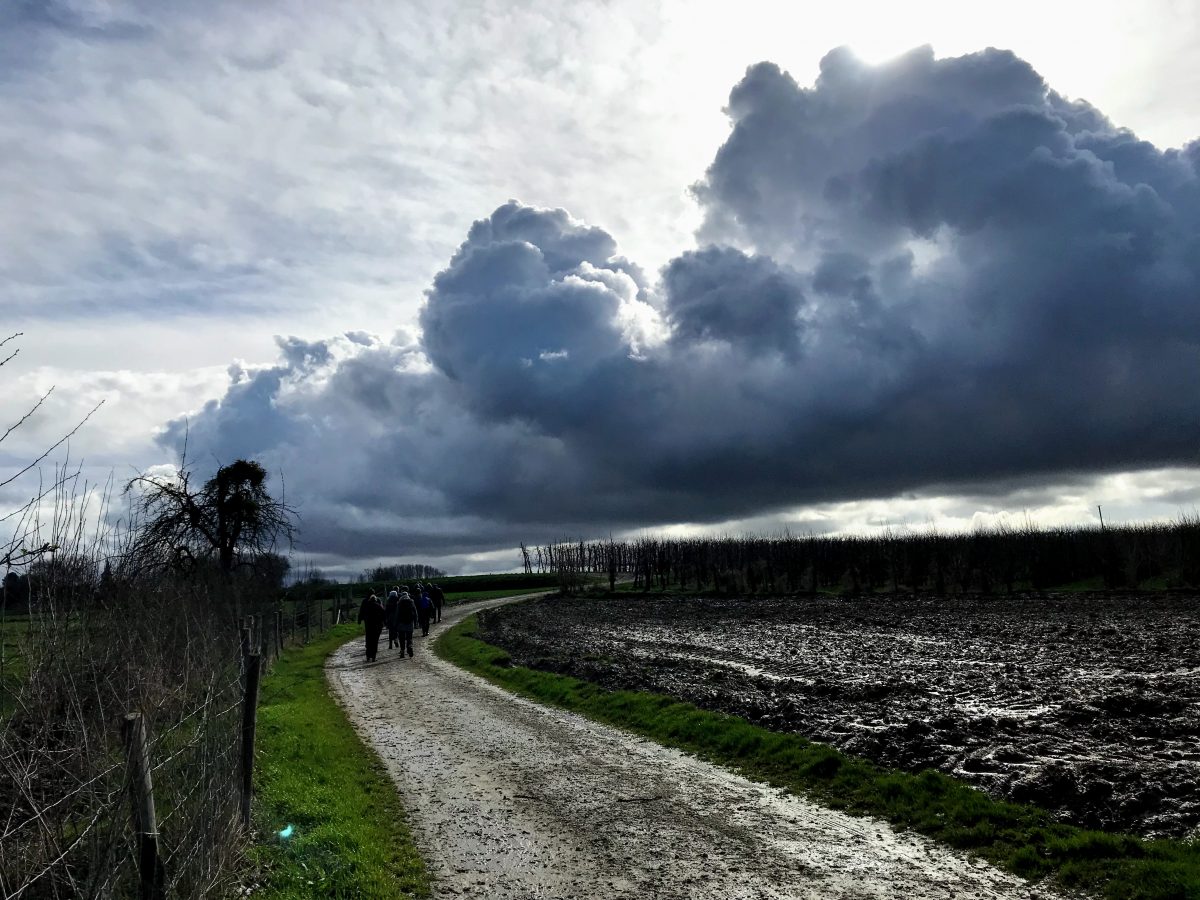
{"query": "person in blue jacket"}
pixel 424 609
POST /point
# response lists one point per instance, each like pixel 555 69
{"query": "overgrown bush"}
pixel 93 642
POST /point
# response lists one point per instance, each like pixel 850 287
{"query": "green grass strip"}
pixel 313 773
pixel 1022 839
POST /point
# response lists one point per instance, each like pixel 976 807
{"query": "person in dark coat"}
pixel 438 598
pixel 389 616
pixel 406 618
pixel 372 614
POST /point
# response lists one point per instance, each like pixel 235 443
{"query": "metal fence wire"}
pixel 76 792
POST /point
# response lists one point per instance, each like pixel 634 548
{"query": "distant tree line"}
pixel 399 572
pixel 101 583
pixel 999 559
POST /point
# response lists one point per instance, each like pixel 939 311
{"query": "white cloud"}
pixel 1154 495
pixel 135 406
pixel 184 181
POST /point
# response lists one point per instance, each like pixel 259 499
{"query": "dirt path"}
pixel 509 799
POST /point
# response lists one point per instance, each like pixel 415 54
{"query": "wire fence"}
pixel 81 814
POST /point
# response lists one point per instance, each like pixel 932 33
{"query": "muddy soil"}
pixel 510 800
pixel 1088 706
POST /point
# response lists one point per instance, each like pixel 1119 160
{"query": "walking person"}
pixel 439 598
pixel 406 618
pixel 372 614
pixel 389 615
pixel 424 609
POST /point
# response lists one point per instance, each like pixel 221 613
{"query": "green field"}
pixel 507 584
pixel 456 587
pixel 14 631
pixel 464 596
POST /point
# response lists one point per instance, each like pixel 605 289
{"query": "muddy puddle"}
pixel 1086 705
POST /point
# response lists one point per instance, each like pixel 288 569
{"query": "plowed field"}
pixel 1086 705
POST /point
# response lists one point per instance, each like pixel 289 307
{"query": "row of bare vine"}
pixel 987 560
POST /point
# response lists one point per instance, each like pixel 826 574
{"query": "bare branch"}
pixel 29 412
pixel 66 437
pixel 11 337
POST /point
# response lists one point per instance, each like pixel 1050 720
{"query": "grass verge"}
pixel 1021 839
pixel 313 773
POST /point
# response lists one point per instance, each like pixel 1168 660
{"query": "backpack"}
pixel 406 612
pixel 425 602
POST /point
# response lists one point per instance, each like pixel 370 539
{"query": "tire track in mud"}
pixel 510 799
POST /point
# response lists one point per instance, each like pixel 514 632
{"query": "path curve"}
pixel 511 799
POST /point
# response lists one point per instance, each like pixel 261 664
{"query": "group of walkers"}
pixel 403 611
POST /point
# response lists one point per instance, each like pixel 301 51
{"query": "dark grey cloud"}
pixel 526 312
pixel 31 29
pixel 252 418
pixel 721 294
pixel 78 18
pixel 928 273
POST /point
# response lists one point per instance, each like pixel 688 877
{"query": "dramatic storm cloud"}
pixel 931 272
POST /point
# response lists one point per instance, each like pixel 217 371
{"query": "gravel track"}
pixel 510 799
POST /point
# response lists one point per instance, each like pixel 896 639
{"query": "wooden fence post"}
pixel 249 720
pixel 307 618
pixel 278 633
pixel 141 794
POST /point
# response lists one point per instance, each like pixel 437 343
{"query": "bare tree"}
pixel 231 520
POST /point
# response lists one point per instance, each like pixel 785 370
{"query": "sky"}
pixel 476 273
